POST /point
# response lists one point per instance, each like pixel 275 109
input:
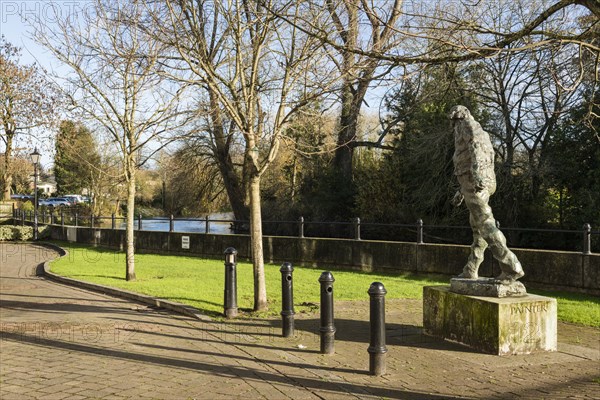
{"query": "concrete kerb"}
pixel 121 293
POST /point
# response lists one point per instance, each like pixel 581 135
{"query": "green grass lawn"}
pixel 199 282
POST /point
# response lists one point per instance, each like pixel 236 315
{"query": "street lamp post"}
pixel 35 159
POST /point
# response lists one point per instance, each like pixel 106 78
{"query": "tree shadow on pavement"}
pixel 248 374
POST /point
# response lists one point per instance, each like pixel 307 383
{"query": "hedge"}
pixel 21 233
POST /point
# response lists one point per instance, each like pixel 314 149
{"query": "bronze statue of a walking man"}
pixel 474 168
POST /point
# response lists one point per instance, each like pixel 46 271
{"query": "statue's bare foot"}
pixel 509 277
pixel 468 273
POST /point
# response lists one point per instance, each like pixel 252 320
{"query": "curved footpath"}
pixel 61 342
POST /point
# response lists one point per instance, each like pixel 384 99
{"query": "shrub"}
pixel 6 233
pixel 23 233
pixel 27 206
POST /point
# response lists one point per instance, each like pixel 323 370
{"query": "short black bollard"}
pixel 287 299
pixel 377 348
pixel 230 303
pixel 327 328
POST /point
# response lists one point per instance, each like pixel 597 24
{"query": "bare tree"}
pixel 369 39
pixel 256 72
pixel 116 81
pixel 27 101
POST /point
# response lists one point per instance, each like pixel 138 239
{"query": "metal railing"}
pixel 584 240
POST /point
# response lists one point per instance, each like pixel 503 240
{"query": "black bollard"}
pixel 230 303
pixel 327 328
pixel 377 348
pixel 287 299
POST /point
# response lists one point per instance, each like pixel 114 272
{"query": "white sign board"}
pixel 185 242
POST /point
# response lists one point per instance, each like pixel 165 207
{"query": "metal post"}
pixel 76 218
pixel 207 226
pixel 301 227
pixel 35 201
pixel 139 222
pixel 113 221
pixel 377 348
pixel 420 231
pixel 62 217
pixel 171 223
pixel 327 328
pixel 22 217
pixel 287 299
pixel 230 303
pixel 587 239
pixel 357 228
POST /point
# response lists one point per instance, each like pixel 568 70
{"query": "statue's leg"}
pixel 509 263
pixel 484 219
pixel 471 269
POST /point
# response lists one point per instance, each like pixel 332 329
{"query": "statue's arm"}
pixel 477 155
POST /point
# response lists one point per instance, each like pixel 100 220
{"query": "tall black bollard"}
pixel 327 328
pixel 287 299
pixel 230 303
pixel 377 348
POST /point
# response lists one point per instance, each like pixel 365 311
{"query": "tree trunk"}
pixel 129 231
pixel 256 240
pixel 7 175
pixel 347 133
pixel 231 180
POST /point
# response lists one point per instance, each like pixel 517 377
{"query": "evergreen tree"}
pixel 77 162
pixel 417 179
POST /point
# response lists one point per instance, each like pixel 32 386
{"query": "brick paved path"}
pixel 59 342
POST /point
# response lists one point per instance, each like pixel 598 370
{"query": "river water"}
pixel 218 223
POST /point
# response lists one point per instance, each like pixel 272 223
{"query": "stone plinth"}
pixel 509 325
pixel 487 287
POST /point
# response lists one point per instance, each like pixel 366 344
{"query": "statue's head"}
pixel 459 112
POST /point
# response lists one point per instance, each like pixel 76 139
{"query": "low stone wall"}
pixel 556 269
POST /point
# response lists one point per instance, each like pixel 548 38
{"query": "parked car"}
pixel 74 198
pixel 22 197
pixel 55 202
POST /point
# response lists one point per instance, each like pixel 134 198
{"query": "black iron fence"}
pixel 584 240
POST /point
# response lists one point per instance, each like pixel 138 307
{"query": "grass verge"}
pixel 199 282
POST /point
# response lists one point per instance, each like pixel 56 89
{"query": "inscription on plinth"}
pixel 519 325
